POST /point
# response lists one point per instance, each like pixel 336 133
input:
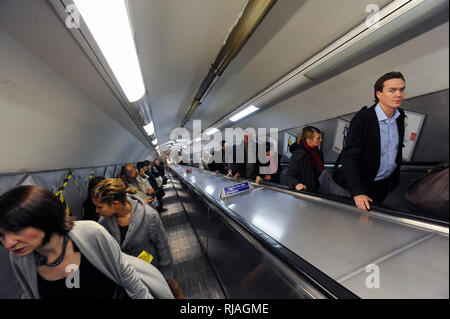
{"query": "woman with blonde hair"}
pixel 135 226
pixel 55 257
pixel 306 162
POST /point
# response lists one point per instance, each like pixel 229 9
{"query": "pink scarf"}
pixel 273 167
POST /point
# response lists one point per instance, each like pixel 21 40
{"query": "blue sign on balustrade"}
pixel 235 189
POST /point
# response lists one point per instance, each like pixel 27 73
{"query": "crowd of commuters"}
pixel 370 159
pixel 121 249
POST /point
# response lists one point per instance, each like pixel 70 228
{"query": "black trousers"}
pixel 379 190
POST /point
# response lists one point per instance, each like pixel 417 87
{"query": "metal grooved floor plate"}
pixel 192 270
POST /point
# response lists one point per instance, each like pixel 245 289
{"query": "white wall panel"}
pixel 45 123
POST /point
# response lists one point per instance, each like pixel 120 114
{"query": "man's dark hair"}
pixel 140 165
pixel 147 163
pixel 126 171
pixel 34 206
pixel 379 84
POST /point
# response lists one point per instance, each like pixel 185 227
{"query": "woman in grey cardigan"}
pixel 85 261
pixel 136 226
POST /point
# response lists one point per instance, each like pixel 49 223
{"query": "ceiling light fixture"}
pixel 110 26
pixel 211 131
pixel 149 128
pixel 244 113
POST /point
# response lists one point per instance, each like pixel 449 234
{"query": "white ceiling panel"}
pixel 422 60
pixel 292 32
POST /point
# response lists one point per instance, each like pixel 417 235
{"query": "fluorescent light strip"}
pixel 150 128
pixel 155 141
pixel 244 113
pixel 109 24
pixel 211 131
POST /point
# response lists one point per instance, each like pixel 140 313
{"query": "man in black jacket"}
pixel 221 166
pixel 245 159
pixel 372 154
pixel 159 167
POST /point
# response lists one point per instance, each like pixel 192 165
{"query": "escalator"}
pixel 274 243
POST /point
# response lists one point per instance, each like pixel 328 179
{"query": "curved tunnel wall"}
pixel 46 123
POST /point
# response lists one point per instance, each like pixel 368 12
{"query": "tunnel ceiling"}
pixel 178 41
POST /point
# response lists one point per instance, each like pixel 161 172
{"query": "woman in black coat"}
pixel 306 163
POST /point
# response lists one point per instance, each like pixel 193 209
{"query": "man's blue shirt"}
pixel 389 143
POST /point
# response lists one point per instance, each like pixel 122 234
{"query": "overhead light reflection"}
pixel 267 226
pixel 210 189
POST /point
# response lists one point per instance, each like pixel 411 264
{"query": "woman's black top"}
pixel 123 232
pixel 92 284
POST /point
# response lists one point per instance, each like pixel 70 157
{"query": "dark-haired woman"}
pixel 55 257
pixel 306 162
